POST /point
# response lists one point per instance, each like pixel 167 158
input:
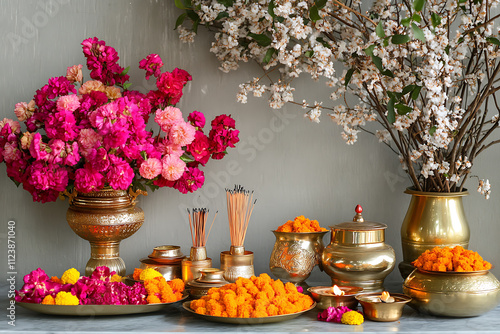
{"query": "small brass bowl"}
pixel 376 310
pixel 166 251
pixel 452 294
pixel 169 271
pixel 324 297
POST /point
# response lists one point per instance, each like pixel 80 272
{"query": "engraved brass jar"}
pixel 432 220
pixel 452 294
pixel 357 254
pixel 294 255
pixel 104 218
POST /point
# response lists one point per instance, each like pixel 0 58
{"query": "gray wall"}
pixel 295 167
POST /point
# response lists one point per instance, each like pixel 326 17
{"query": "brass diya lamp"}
pixel 335 296
pixel 357 254
pixel 452 294
pixel 383 306
pixel 295 254
pixel 238 262
pixel 210 278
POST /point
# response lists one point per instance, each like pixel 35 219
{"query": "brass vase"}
pixel 432 220
pixel 104 218
pixel 294 255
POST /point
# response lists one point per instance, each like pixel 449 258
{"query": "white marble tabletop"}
pixel 175 319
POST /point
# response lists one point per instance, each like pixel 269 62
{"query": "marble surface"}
pixel 175 319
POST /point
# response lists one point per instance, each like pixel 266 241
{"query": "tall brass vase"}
pixel 104 218
pixel 432 219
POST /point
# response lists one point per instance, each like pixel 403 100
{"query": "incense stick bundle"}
pixel 197 224
pixel 239 210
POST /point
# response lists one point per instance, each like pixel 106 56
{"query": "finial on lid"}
pixel 358 217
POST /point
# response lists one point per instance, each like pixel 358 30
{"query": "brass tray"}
pixel 247 321
pixel 95 310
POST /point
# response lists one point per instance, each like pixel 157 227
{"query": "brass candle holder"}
pixel 375 309
pixel 326 296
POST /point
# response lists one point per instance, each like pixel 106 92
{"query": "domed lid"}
pixel 358 231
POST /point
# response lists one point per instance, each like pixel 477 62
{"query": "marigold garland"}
pixel 301 224
pixel 252 298
pixel 451 259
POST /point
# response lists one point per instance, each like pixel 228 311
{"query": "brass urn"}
pixel 104 218
pixel 357 254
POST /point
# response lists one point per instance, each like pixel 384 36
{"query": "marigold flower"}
pixel 451 259
pixel 49 300
pixel 301 224
pixel 137 274
pixel 352 318
pixel 66 298
pixel 70 276
pixel 149 273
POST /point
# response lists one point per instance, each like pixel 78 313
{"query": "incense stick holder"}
pixel 237 262
pixel 197 260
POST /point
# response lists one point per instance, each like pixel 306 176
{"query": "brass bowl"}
pixel 376 310
pixel 166 252
pixel 169 271
pixel 324 298
pixel 452 294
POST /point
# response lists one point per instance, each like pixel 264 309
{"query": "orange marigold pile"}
pixel 161 291
pixel 301 224
pixel 451 259
pixel 252 298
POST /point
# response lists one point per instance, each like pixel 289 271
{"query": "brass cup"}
pixel 376 310
pixel 324 297
pixel 166 252
pixel 236 263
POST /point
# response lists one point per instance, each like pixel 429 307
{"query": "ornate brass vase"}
pixel 104 218
pixel 432 220
pixel 294 255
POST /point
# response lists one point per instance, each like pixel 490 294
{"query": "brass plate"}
pixel 95 310
pixel 247 321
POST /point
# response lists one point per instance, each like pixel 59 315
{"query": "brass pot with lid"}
pixel 357 254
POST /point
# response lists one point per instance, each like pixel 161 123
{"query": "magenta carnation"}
pixel 87 180
pixel 152 64
pixel 120 174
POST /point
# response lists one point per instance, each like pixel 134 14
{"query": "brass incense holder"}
pixel 197 260
pixel 237 262
pixel 325 297
pixel 377 310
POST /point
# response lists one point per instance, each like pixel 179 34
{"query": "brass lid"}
pixel 358 231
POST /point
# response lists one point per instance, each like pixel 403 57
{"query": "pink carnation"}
pixel 24 110
pixel 190 181
pixel 151 168
pixel 74 73
pixel 11 152
pixel 120 174
pixel 167 117
pixel 199 148
pixel 15 127
pixel 72 154
pixel 172 168
pixel 88 139
pixel 182 133
pixel 38 148
pixel 168 148
pixel 68 102
pixel 197 119
pixel 152 64
pixel 87 180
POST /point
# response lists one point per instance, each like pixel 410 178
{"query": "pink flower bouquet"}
pixel 84 136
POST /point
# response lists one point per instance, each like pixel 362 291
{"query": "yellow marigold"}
pixel 70 276
pixel 66 298
pixel 49 300
pixel 301 224
pixel 137 274
pixel 116 278
pixel 149 274
pixel 352 318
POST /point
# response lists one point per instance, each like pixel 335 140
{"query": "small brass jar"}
pixel 357 254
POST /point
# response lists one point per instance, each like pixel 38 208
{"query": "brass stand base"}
pixel 105 254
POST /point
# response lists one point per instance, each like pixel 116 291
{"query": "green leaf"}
pixel 406 22
pixel 269 55
pixel 435 19
pixel 378 62
pixel 419 33
pixel 127 85
pixel 379 30
pixel 388 73
pixel 180 20
pixel 222 15
pixel 348 76
pixel 396 96
pixel 125 71
pixel 195 25
pixel 493 40
pixel 418 5
pixel 460 40
pixel 270 8
pixel 369 50
pixel 192 15
pixel 314 14
pixel 153 186
pixel 179 4
pixel 416 92
pixel 309 53
pixel 227 3
pixel 416 17
pixel 403 109
pixel 144 155
pixel 391 115
pixel 186 158
pixel 400 39
pixel 408 89
pixel 447 49
pixel 323 42
pixel 261 39
pixel 279 19
pixel 386 42
pixel 320 3
pixel 432 130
